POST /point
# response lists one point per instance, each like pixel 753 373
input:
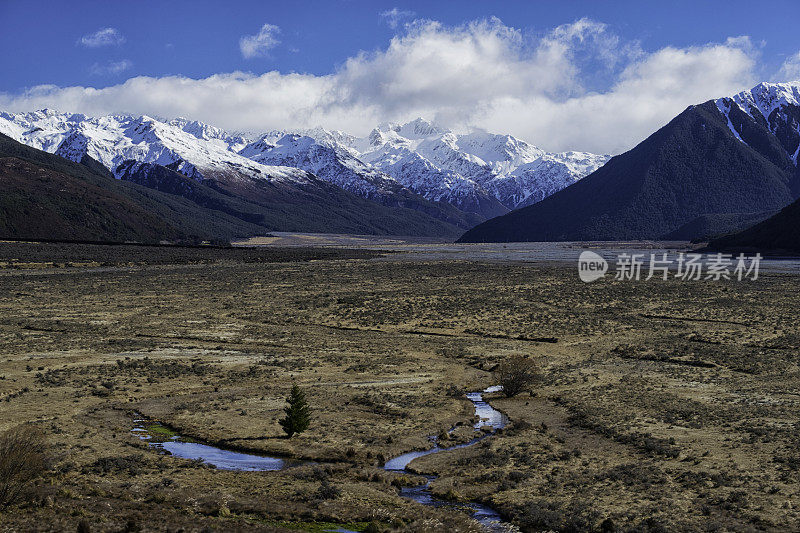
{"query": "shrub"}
pixel 552 516
pixel 22 459
pixel 326 491
pixel 516 374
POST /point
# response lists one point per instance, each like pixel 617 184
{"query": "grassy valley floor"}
pixel 663 405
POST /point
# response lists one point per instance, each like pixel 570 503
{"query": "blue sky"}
pixel 330 62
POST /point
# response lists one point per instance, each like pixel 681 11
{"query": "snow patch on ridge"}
pixel 767 97
pixel 724 106
pixel 775 105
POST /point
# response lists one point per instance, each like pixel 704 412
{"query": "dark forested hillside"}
pixel 778 234
pixel 49 197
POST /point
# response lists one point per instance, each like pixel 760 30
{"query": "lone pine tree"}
pixel 298 413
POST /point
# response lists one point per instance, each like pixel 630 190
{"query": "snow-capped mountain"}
pixel 776 106
pixel 325 158
pixel 442 164
pixel 476 172
pixel 714 166
pixel 192 148
pixel 334 157
pixel 401 165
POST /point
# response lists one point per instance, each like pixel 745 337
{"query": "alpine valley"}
pixel 414 179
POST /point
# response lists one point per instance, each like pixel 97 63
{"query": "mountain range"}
pixel 476 172
pixel 416 178
pixel 731 156
pixel 717 168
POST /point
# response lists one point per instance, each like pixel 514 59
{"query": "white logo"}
pixel 688 267
pixel 591 266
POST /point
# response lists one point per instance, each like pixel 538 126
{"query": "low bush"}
pixel 132 464
pixel 517 374
pixel 23 458
pixel 327 491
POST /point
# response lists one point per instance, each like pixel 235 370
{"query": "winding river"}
pixel 162 438
pixel 487 417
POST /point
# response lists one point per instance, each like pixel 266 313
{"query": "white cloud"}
pixel 544 89
pixel 112 67
pixel 394 16
pixel 102 37
pixel 649 93
pixel 261 43
pixel 790 70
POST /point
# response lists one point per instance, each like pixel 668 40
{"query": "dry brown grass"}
pixel 22 460
pixel 662 404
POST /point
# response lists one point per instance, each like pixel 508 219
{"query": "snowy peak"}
pixel 417 129
pixel 331 136
pixel 198 129
pixel 192 148
pixel 776 106
pixel 441 163
pixel 492 147
pixel 326 158
pixel 207 132
pixel 767 97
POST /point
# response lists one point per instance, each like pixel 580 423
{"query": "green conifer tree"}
pixel 298 413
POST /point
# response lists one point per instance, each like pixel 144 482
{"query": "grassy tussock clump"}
pixel 22 460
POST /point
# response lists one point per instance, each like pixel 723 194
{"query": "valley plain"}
pixel 662 405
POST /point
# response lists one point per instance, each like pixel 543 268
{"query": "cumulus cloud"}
pixel 102 37
pixel 485 74
pixel 112 67
pixel 394 16
pixel 261 43
pixel 649 93
pixel 790 70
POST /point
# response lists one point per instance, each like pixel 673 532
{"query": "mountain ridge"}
pixel 777 235
pixel 428 171
pixel 713 158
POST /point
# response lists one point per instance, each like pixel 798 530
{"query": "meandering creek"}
pixel 162 438
pixel 487 417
